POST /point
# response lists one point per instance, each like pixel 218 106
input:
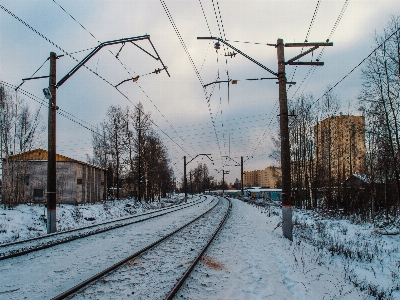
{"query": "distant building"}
pixel 339 147
pixel 270 177
pixel 25 177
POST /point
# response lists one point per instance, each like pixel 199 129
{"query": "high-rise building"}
pixel 339 148
pixel 269 177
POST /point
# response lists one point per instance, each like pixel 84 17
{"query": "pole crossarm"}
pixel 220 81
pixel 308 44
pixel 108 43
pixel 305 63
pixel 237 164
pixel 240 52
pixel 207 155
pixel 314 46
pixel 302 54
pixel 39 77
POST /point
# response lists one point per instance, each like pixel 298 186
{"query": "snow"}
pixel 29 221
pixel 258 263
pixel 250 259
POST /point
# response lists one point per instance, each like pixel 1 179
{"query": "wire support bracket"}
pixel 238 51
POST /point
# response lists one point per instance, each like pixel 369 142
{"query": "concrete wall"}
pixel 33 175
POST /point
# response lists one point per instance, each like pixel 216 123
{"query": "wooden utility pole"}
pixel 284 131
pixel 285 147
pixel 51 160
pixel 287 225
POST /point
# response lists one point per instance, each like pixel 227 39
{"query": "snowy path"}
pixel 251 260
pixel 47 273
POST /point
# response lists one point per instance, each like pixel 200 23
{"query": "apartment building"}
pixel 270 177
pixel 339 147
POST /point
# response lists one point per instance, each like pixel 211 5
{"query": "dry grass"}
pixel 212 263
pixel 209 262
pixel 133 263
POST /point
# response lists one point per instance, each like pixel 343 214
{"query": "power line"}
pixel 61 112
pixel 311 71
pixel 65 52
pixel 359 64
pixel 124 66
pixel 307 36
pixel 204 15
pixel 188 55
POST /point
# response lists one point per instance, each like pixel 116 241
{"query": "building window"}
pixel 38 193
pixel 79 181
pixel 24 179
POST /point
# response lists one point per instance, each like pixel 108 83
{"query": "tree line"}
pixel 319 177
pixel 21 131
pixel 134 155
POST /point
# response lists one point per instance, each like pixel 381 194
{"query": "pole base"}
pixel 51 221
pixel 287 225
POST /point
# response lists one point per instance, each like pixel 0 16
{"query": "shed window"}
pixel 24 179
pixel 38 193
pixel 79 181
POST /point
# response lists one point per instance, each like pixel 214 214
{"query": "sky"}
pixel 223 121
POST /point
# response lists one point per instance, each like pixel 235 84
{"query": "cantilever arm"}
pixel 238 51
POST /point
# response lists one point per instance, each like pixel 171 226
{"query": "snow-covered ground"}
pixel 328 258
pixel 28 221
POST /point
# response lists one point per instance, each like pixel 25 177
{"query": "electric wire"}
pixel 311 71
pixel 61 112
pixel 306 39
pixel 204 15
pixel 358 65
pixel 188 55
pixel 65 52
pixel 124 66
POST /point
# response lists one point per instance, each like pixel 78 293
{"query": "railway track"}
pixel 18 248
pixel 158 270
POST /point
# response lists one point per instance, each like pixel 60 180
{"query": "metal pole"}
pixel 191 186
pixel 51 159
pixel 223 180
pixel 139 173
pixel 184 176
pixel 241 173
pixel 285 146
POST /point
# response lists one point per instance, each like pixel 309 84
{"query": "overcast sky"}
pixel 243 122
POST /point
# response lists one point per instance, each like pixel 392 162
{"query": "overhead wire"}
pixel 174 26
pixel 170 18
pixel 69 54
pixel 116 56
pixel 60 111
pixel 311 71
pixel 358 65
pixel 307 37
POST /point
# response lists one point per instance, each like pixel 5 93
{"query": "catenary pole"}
pixel 184 176
pixel 191 186
pixel 51 159
pixel 223 180
pixel 285 146
pixel 284 131
pixel 241 174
